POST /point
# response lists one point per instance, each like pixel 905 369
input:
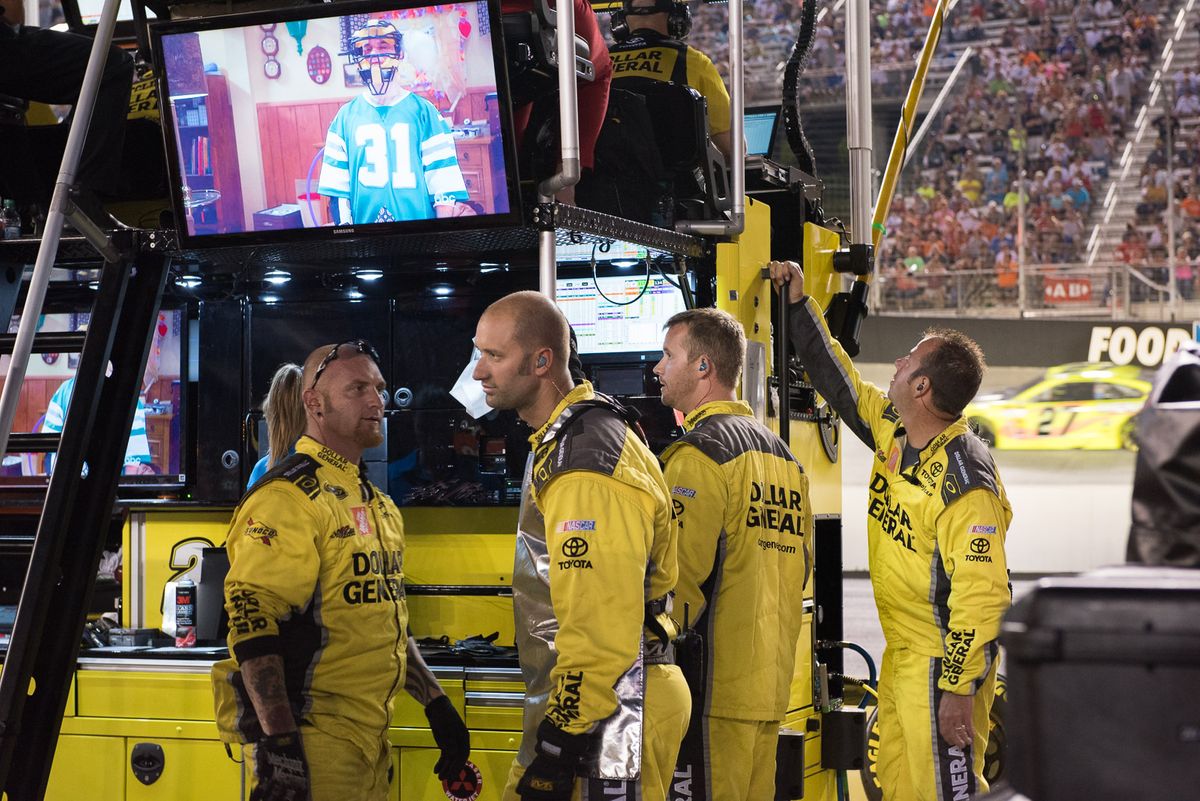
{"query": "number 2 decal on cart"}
pixel 376 170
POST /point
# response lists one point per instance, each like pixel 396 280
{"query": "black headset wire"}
pixel 600 292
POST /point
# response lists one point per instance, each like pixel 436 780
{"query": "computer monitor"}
pixel 761 122
pixel 337 121
pixel 619 314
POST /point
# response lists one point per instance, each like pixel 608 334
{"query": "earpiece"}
pixel 703 366
pixel 541 362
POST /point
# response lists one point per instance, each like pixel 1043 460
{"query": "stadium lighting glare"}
pixel 368 275
pixel 187 281
pixel 277 277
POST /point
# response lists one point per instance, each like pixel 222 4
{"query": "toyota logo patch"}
pixel 575 547
pixel 980 545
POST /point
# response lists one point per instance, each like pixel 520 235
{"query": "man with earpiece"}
pixel 744 524
pixel 605 705
pixel 649 35
pixel 937 516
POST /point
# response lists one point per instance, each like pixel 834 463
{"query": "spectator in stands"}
pixel 653 49
pixel 48 66
pixel 1185 274
pixel 1120 89
pixel 1187 104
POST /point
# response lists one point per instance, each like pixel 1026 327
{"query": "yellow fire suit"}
pixel 937 520
pixel 315 571
pixel 595 559
pixel 742 507
pixel 651 56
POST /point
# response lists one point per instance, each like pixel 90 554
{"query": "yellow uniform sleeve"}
pixel 598 533
pixel 704 78
pixel 863 407
pixel 970 537
pixel 699 499
pixel 273 566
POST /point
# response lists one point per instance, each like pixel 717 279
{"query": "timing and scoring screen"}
pixel 604 326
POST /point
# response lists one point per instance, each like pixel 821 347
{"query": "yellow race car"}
pixel 1072 406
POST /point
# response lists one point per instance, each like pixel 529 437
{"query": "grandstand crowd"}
pixel 1055 86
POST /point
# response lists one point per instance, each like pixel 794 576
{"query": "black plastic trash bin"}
pixel 1104 686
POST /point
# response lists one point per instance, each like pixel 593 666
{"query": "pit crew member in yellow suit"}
pixel 650 47
pixel 742 508
pixel 937 519
pixel 317 614
pixel 605 706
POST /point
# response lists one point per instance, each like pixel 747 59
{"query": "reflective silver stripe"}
pixel 505 700
pixel 935 737
pixel 493 674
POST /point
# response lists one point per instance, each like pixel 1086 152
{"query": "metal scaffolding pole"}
pixel 568 116
pixel 40 280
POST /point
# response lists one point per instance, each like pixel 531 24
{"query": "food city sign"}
pixel 1124 344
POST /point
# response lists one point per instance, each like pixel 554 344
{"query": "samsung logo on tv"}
pixel 343 230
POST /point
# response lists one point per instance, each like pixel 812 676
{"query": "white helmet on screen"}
pixel 375 50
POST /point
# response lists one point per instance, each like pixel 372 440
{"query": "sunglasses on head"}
pixel 359 345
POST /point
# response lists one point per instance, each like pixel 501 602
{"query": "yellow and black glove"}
pixel 281 767
pixel 551 775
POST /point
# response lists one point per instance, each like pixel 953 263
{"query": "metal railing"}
pixel 1108 290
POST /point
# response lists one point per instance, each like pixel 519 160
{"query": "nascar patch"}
pixel 686 492
pixel 577 525
pixel 982 530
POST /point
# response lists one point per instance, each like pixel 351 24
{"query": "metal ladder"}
pixel 40 662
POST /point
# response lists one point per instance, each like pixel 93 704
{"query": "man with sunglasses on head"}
pixel 318 623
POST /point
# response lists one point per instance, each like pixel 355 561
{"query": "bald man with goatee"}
pixel 318 624
pixel 605 706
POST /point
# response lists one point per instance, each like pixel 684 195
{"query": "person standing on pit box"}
pixel 742 509
pixel 318 623
pixel 937 517
pixel 605 707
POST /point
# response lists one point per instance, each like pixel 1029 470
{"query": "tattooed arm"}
pixel 264 683
pixel 419 680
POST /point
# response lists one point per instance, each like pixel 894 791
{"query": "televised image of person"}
pixel 318 622
pixel 389 154
pixel 138 459
pixel 592 576
pixel 745 527
pixel 937 517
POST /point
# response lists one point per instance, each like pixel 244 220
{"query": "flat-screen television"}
pixel 337 121
pixel 154 454
pixel 619 313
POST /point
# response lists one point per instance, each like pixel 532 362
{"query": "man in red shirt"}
pixel 593 95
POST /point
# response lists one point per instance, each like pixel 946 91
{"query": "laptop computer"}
pixel 761 125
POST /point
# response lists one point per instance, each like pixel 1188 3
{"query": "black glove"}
pixel 551 775
pixel 281 768
pixel 451 735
